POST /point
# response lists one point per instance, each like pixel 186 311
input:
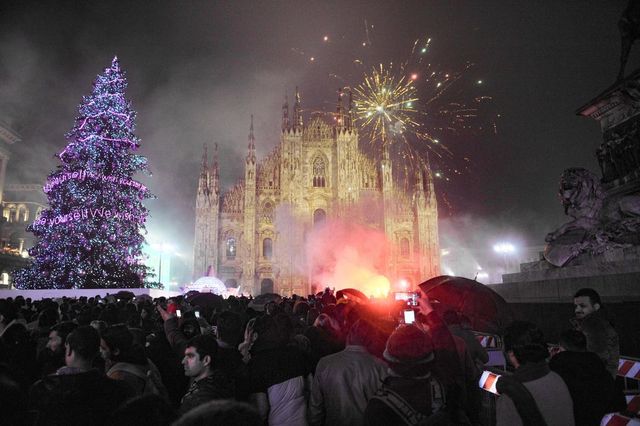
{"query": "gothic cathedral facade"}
pixel 253 235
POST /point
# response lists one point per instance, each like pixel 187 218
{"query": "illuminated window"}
pixel 231 248
pixel 319 173
pixel 12 213
pixel 267 248
pixel 404 247
pixel 267 212
pixel 22 215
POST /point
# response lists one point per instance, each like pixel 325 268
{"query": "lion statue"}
pixel 582 197
pixel 599 223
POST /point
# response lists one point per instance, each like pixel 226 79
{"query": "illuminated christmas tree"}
pixel 91 234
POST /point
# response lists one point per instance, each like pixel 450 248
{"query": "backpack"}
pixel 152 383
pixel 408 414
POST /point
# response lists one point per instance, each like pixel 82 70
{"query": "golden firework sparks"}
pixel 385 105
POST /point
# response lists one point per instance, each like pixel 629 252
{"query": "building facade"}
pixel 253 235
pixel 20 204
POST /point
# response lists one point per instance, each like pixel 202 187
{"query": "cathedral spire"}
pixel 203 182
pixel 251 152
pixel 285 113
pixel 214 174
pixel 428 186
pixel 297 111
pixel 349 116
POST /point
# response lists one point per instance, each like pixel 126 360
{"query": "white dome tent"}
pixel 207 285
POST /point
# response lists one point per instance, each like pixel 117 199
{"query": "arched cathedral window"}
pixel 319 171
pixel 404 247
pixel 267 212
pixel 267 248
pixel 319 217
pixel 231 248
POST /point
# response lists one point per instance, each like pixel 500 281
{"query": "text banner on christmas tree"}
pixel 81 175
pixel 85 214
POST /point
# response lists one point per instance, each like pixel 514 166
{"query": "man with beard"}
pixel 208 382
pixel 52 356
pixel 591 319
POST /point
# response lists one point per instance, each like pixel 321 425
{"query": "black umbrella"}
pixel 486 309
pixel 205 300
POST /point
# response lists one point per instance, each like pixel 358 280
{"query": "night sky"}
pixel 198 69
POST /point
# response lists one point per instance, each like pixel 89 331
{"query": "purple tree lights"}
pixel 92 233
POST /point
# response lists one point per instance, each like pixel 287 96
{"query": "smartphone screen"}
pixel 197 314
pixel 488 381
pixel 178 313
pixel 409 316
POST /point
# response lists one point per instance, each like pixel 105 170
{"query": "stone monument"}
pixel 600 246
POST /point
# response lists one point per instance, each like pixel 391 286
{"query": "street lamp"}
pixel 505 249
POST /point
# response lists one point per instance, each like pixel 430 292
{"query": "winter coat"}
pixel 76 398
pixel 549 392
pixel 218 385
pixel 590 385
pixel 343 384
pixel 602 339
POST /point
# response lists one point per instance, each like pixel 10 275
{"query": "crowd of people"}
pixel 290 361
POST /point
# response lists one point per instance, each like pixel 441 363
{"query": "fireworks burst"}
pixel 385 104
pixel 419 107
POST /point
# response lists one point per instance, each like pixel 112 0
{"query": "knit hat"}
pixel 409 345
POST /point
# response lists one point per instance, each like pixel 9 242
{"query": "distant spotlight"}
pixel 438 174
pixel 439 84
pixel 436 141
pixel 326 38
pixel 364 44
pixel 479 81
pixel 312 59
pixel 414 76
pixel 504 248
pixel 424 50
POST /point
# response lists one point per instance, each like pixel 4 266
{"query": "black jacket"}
pixel 86 398
pixel 590 384
pixel 216 386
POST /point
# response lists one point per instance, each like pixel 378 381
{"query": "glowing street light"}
pixel 504 248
